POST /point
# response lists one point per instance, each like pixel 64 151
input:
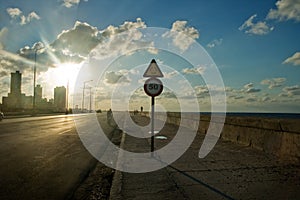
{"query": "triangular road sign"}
pixel 153 70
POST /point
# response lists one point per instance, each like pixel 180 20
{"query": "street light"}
pixel 85 82
pixel 90 92
pixel 37 46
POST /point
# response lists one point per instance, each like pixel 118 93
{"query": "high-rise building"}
pixel 41 104
pixel 60 101
pixel 15 83
pixel 14 100
pixel 38 93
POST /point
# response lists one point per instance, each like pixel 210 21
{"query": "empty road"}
pixel 42 157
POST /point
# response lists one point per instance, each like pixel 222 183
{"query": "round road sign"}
pixel 153 87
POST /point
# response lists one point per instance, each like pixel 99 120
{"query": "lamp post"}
pixel 85 82
pixel 90 92
pixel 36 47
pixel 34 80
pixel 90 88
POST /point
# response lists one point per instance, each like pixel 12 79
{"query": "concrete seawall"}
pixel 279 137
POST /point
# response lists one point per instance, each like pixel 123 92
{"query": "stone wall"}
pixel 280 137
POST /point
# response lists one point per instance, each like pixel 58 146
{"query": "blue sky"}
pixel 254 44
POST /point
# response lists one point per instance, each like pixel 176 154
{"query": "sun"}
pixel 64 74
pixel 67 72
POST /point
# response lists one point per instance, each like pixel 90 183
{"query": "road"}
pixel 42 157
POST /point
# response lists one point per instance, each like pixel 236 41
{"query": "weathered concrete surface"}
pixel 230 171
pixel 280 137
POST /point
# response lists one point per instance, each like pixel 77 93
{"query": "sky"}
pixel 252 47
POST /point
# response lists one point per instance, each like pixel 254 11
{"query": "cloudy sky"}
pixel 254 44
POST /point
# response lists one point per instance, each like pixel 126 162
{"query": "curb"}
pixel 116 187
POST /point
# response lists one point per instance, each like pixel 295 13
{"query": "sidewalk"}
pixel 230 171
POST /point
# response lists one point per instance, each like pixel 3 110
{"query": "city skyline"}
pixel 254 45
pixel 18 101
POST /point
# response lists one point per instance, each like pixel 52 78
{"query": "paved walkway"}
pixel 230 171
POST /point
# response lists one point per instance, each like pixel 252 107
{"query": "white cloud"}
pixel 274 82
pixel 283 95
pixel 16 14
pixel 238 97
pixel 170 74
pixel 215 43
pixel 292 90
pixel 70 3
pixel 201 90
pixel 115 77
pixel 43 60
pixel 3 34
pixel 183 37
pixel 180 26
pixel 248 85
pixel 249 94
pixel 122 40
pixel 75 44
pixel 126 26
pixel 251 99
pixel 266 99
pixel 10 62
pixel 195 70
pixel 23 20
pixel 285 10
pixel 294 59
pixel 78 41
pixel 279 80
pixel 258 28
pixel 32 16
pixel 252 90
pixel 249 88
pixel 234 95
pixel 153 50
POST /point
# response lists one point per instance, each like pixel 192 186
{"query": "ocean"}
pixel 264 115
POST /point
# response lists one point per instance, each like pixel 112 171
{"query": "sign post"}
pixel 153 87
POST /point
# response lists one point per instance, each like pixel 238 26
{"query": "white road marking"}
pixel 64 131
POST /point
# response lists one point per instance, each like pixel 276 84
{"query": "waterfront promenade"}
pixel 230 171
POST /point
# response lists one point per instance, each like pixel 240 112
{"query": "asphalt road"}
pixel 42 157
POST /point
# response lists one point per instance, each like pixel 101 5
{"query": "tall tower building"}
pixel 38 93
pixel 15 100
pixel 15 83
pixel 60 94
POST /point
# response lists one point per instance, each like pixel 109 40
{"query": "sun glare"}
pixel 63 74
pixel 67 72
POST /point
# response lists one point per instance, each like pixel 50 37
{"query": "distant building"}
pixel 15 83
pixel 40 102
pixel 60 99
pixel 38 93
pixel 15 100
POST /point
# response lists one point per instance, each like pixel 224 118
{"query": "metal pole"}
pixel 90 99
pixel 34 81
pixel 152 125
pixel 82 107
pixel 83 93
pixel 67 96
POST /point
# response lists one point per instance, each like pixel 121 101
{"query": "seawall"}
pixel 279 137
